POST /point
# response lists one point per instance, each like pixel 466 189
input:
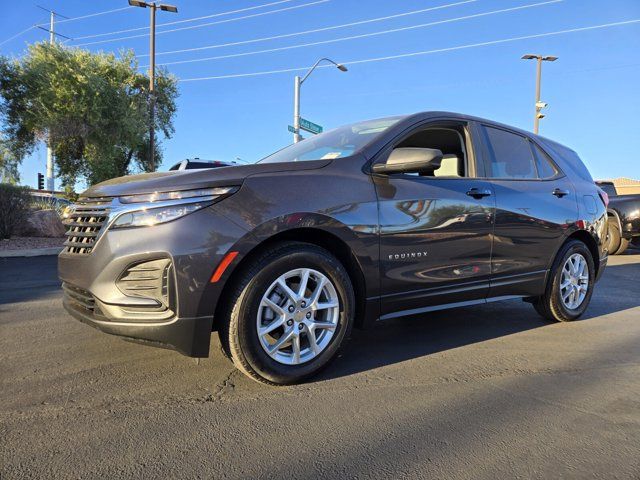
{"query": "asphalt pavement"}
pixel 472 393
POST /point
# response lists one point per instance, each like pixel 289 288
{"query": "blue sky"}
pixel 593 90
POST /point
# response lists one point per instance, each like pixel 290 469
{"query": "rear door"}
pixel 435 231
pixel 535 204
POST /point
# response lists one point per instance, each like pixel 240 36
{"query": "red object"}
pixel 222 266
pixel 581 224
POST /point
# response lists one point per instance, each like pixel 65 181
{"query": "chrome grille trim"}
pixel 84 224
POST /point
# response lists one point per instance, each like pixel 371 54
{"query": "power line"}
pixel 209 23
pixel 184 21
pixel 415 54
pixel 316 30
pixel 73 19
pixel 17 35
pixel 64 19
pixel 364 35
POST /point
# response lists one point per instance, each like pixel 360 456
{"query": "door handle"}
pixel 478 193
pixel 559 192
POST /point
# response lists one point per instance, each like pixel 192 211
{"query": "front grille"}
pixel 84 224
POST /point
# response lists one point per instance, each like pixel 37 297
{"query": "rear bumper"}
pixel 189 336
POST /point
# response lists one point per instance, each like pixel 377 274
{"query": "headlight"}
pixel 154 216
pixel 210 193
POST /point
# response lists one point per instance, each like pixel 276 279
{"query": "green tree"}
pixel 8 165
pixel 91 108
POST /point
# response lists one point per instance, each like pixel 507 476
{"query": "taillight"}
pixel 604 197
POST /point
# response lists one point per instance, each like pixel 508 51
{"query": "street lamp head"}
pixel 168 8
pixel 137 3
pixel 529 57
pixel 341 67
pixel 550 58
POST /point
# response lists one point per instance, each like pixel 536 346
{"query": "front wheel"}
pixel 570 284
pixel 289 314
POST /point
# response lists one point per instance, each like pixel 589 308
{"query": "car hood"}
pixel 193 179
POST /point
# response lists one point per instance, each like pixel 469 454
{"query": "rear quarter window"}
pixel 569 158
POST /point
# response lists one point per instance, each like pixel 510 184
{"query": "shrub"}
pixel 14 205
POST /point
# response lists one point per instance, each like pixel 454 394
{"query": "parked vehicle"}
pixel 624 219
pixel 370 221
pixel 196 163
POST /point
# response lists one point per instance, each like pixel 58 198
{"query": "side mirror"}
pixel 410 160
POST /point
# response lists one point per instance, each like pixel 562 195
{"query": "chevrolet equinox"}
pixel 371 221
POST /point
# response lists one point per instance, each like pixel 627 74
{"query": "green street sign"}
pixel 291 129
pixel 310 126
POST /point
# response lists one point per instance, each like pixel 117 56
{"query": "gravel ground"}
pixel 474 393
pixel 26 243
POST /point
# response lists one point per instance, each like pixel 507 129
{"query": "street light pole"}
pixel 539 104
pixel 296 109
pixel 152 69
pixel 296 95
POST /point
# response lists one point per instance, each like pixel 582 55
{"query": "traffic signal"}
pixel 40 181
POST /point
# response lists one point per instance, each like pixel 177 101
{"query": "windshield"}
pixel 337 143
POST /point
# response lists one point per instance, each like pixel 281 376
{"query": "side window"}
pixel 546 169
pixel 509 155
pixel 450 141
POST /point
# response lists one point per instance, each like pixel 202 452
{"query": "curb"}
pixel 32 252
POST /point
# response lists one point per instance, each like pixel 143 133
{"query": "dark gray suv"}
pixel 370 221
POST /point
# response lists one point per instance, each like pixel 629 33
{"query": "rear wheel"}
pixel 570 284
pixel 289 315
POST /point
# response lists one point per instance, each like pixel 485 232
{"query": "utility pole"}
pixel 52 40
pixel 50 170
pixel 296 95
pixel 152 69
pixel 152 84
pixel 539 104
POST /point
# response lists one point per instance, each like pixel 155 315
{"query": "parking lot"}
pixel 482 392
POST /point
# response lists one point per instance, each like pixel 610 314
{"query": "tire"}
pixel 294 361
pixel 615 238
pixel 624 244
pixel 551 305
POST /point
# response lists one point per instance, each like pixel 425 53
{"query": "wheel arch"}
pixel 315 236
pixel 586 238
pixel 611 213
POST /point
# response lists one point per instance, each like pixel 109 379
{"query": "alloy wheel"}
pixel 574 281
pixel 298 316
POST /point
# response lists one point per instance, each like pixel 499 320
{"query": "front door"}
pixel 435 229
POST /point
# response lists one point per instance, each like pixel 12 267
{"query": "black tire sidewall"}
pixel 559 310
pixel 254 354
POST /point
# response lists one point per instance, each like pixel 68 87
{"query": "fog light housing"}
pixel 151 280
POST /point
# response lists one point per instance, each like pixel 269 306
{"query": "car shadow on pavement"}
pixel 398 340
pixel 402 339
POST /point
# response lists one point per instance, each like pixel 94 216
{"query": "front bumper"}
pixel 189 336
pixel 191 247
